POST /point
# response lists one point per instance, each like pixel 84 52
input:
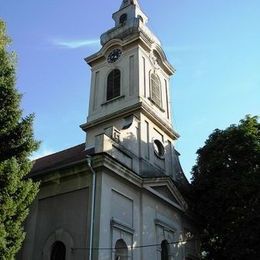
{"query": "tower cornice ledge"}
pixel 139 107
pixel 140 35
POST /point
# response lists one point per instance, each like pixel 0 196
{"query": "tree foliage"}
pixel 16 145
pixel 226 192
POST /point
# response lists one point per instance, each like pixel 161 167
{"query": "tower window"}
pixel 159 148
pixel 123 19
pixel 121 251
pixel 164 250
pixel 156 93
pixel 113 84
pixel 58 251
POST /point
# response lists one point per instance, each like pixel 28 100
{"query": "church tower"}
pixel 129 109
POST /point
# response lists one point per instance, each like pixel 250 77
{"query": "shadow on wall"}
pixel 155 158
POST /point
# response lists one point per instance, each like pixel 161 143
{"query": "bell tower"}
pixel 129 110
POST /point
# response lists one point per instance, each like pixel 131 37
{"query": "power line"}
pixel 135 247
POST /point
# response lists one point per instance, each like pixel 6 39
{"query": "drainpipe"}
pixel 93 199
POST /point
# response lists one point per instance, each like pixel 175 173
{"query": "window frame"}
pixel 159 148
pixel 113 91
pixel 156 86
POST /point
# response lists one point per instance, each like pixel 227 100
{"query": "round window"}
pixel 158 148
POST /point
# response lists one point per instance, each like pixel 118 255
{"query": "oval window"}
pixel 159 148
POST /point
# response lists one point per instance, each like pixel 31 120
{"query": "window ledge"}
pixel 156 104
pixel 112 100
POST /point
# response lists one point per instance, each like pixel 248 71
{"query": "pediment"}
pixel 167 191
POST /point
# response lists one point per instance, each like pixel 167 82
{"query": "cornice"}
pixel 137 35
pixel 106 161
pixel 123 112
pixel 138 107
pixel 158 121
pixel 151 182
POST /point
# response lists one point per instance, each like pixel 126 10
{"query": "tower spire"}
pixel 128 15
pixel 126 3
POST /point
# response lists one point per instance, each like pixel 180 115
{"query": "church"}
pixel 117 195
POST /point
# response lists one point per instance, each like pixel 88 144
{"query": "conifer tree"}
pixel 16 145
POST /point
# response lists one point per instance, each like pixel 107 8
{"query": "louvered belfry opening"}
pixel 113 84
pixel 156 94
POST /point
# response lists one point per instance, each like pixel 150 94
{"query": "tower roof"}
pixel 125 3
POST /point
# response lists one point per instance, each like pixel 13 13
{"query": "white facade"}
pixel 122 202
pixel 136 211
pixel 141 205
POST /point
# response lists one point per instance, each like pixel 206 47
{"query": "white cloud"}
pixel 75 44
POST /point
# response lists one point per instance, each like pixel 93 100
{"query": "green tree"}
pixel 16 145
pixel 226 192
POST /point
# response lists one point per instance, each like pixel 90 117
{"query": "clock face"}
pixel 114 55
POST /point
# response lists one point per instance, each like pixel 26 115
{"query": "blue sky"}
pixel 214 46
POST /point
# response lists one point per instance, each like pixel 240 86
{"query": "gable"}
pixel 167 191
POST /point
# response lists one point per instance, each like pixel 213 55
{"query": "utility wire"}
pixel 135 247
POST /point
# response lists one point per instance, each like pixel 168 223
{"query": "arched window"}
pixel 123 19
pixel 113 84
pixel 164 250
pixel 121 251
pixel 58 251
pixel 156 93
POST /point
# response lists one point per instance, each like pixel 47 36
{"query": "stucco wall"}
pixel 60 213
pixel 135 215
pixel 63 213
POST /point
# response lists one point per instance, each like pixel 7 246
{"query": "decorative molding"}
pixel 159 107
pixel 140 36
pixel 119 225
pixel 110 163
pixel 152 182
pixel 128 111
pixel 161 223
pixel 158 194
pixel 62 236
pixel 112 100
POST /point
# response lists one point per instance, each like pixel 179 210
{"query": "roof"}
pixel 78 153
pixel 59 159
